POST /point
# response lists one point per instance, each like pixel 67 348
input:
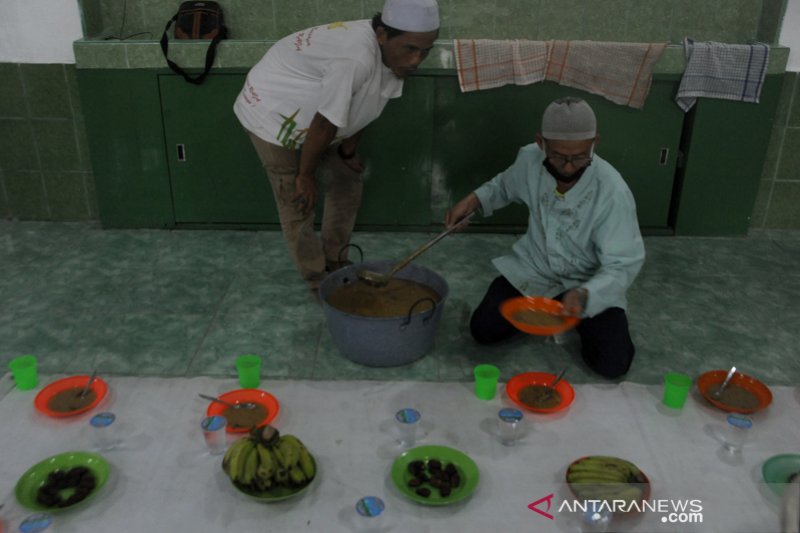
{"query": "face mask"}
pixel 561 177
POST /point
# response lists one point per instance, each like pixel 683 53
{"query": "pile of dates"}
pixel 433 473
pixel 65 488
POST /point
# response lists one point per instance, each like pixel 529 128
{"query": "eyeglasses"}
pixel 579 160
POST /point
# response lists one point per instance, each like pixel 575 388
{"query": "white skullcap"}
pixel 411 15
pixel 569 119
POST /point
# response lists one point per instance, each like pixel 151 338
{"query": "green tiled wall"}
pixel 45 172
pixel 770 23
pixel 619 20
pixel 779 194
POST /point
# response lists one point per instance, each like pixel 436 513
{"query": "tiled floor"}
pixel 150 302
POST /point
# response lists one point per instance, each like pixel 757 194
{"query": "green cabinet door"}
pixel 478 134
pixel 644 145
pixel 725 155
pixel 396 149
pixel 126 143
pixel 215 174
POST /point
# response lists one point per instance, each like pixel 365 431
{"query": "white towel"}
pixel 487 63
pixel 719 70
pixel 620 72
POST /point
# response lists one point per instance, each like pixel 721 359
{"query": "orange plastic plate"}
pixel 260 397
pixel 99 387
pixel 518 382
pixel 748 383
pixel 511 307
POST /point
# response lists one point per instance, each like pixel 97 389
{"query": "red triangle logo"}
pixel 549 501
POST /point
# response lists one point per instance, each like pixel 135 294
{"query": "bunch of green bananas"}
pixel 259 466
pixel 600 477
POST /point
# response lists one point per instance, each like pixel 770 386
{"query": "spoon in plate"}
pixel 717 393
pixel 246 405
pixel 85 390
pixel 552 387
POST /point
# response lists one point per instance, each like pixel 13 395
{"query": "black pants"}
pixel 606 342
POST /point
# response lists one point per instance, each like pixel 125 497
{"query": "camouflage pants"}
pixel 342 197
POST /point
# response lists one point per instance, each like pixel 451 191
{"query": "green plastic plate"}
pixel 36 476
pixel 778 469
pixel 465 466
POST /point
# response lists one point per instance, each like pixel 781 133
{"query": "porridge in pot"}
pixel 392 300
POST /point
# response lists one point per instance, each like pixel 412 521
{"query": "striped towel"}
pixel 620 72
pixel 726 71
pixel 487 63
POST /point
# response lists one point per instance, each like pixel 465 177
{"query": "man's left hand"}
pixel 574 301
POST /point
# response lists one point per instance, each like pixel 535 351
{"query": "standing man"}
pixel 582 246
pixel 304 106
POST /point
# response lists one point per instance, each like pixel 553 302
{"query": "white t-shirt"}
pixel 335 70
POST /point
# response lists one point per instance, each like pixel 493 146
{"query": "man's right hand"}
pixel 354 163
pixel 463 208
pixel 305 197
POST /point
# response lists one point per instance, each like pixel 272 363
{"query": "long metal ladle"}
pixel 376 279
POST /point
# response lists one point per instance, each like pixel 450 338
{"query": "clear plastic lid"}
pixel 214 423
pixel 739 421
pixel 102 420
pixel 369 506
pixel 509 414
pixel 408 415
pixel 597 515
pixel 36 522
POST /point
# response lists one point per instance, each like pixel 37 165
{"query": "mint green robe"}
pixel 589 237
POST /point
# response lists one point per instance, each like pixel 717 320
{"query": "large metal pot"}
pixel 389 341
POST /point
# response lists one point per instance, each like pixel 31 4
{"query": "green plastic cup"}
pixel 676 388
pixel 486 381
pixel 249 369
pixel 23 369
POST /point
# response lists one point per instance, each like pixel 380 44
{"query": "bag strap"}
pixel 210 53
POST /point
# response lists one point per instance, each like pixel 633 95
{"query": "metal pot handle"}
pixel 425 320
pixel 351 245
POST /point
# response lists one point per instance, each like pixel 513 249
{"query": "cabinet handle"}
pixel 664 157
pixel 181 153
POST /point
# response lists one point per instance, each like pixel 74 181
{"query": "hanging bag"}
pixel 196 20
